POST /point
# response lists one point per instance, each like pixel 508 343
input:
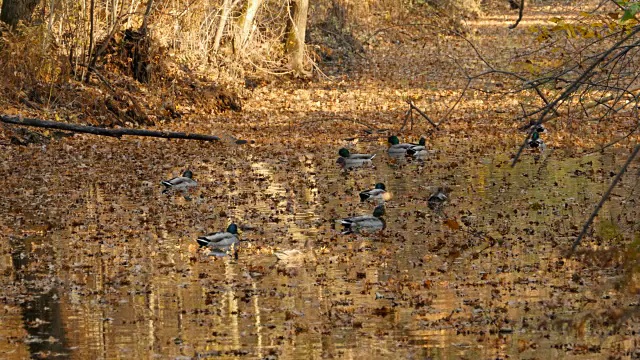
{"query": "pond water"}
pixel 97 263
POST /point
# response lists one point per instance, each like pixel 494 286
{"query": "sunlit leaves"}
pixel 587 26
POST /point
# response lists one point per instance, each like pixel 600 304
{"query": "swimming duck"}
pixel 419 149
pixel 182 183
pixel 350 161
pixel 344 152
pixel 365 223
pixel 396 148
pixel 222 242
pixel 438 198
pixel 536 142
pixel 377 193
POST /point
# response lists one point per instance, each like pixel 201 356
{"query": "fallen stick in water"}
pixel 18 120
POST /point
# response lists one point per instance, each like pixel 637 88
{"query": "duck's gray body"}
pixel 365 223
pixel 362 156
pixel 351 163
pixel 437 199
pixel 221 242
pixel 347 160
pixel 181 183
pixel 406 149
pixel 376 193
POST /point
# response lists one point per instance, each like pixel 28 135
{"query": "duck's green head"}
pixel 535 136
pixel 422 141
pixel 232 229
pixel 344 152
pixel 380 186
pixel 187 174
pixel 379 211
pixel 393 140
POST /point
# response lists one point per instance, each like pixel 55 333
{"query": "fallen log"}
pixel 19 120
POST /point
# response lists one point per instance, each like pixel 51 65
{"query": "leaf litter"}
pixel 89 234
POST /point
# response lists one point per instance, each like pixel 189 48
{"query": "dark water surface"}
pixel 97 263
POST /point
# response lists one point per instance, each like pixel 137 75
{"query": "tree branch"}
pixel 603 199
pixel 520 13
pixel 413 106
pixel 573 87
pixel 102 131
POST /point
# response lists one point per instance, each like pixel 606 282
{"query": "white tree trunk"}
pixel 227 6
pixel 246 24
pixel 298 11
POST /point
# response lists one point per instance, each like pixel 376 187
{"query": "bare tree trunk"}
pixel 145 19
pixel 91 35
pixel 297 29
pixel 227 5
pixel 16 10
pixel 246 25
pixel 51 14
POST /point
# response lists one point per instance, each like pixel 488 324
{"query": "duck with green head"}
pixel 365 223
pixel 377 193
pixel 406 149
pixel 222 242
pixel 536 142
pixel 351 161
pixel 181 183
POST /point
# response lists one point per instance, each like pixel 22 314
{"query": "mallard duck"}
pixel 396 148
pixel 421 142
pixel 222 242
pixel 438 198
pixel 365 223
pixel 182 183
pixel 420 149
pixel 536 142
pixel 344 152
pixel 351 163
pixel 377 193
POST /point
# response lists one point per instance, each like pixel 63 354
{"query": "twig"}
pixel 413 106
pixel 603 199
pixel 613 142
pixel 408 115
pixel 102 131
pixel 520 13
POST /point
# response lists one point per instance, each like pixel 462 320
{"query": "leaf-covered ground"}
pixel 97 263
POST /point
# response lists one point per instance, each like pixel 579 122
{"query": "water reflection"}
pixel 42 316
pixel 124 277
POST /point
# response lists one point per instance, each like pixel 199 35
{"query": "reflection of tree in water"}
pixel 41 313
